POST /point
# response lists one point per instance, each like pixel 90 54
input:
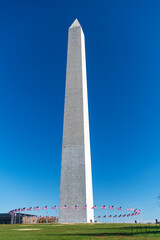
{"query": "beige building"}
pixel 29 219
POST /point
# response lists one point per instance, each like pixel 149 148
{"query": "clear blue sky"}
pixel 123 71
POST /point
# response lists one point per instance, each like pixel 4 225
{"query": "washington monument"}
pixel 76 196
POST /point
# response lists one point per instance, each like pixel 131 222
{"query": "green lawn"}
pixel 79 231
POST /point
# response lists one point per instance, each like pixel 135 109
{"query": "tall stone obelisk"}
pixel 76 176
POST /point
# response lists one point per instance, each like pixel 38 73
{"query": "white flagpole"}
pixel 39 214
pixel 25 217
pixel 106 214
pixel 76 214
pixel 113 214
pixel 66 213
pixel 47 214
pixel 141 217
pixel 56 213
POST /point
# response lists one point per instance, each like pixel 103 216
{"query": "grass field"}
pixel 79 231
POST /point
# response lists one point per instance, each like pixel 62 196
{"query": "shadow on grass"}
pixel 117 231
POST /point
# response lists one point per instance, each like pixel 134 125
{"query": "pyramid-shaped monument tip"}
pixel 75 24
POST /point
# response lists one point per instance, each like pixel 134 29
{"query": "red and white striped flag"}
pixel 64 206
pixel 139 212
pixel 120 208
pixel 55 207
pixel 75 207
pixel 111 207
pixel 29 209
pixel 44 208
pixel 36 208
pixel 11 212
pixel 103 207
pixel 94 207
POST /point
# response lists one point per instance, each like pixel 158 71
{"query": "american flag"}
pixel 110 216
pixel 124 215
pixel 64 206
pixel 139 212
pixel 94 207
pixel 17 210
pixel 135 210
pixel 120 208
pixel 132 209
pixel 55 207
pixel 127 209
pixel 120 215
pixel 128 215
pixel 103 207
pixel 98 216
pixel 10 212
pixel 115 216
pixel 132 214
pixel 111 207
pixel 36 208
pixel 84 207
pixel 23 209
pixel 75 207
pixel 44 208
pixel 29 209
pixel 104 216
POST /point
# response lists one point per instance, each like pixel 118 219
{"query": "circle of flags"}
pixel 130 211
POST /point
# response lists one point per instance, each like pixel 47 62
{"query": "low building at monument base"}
pixel 17 218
